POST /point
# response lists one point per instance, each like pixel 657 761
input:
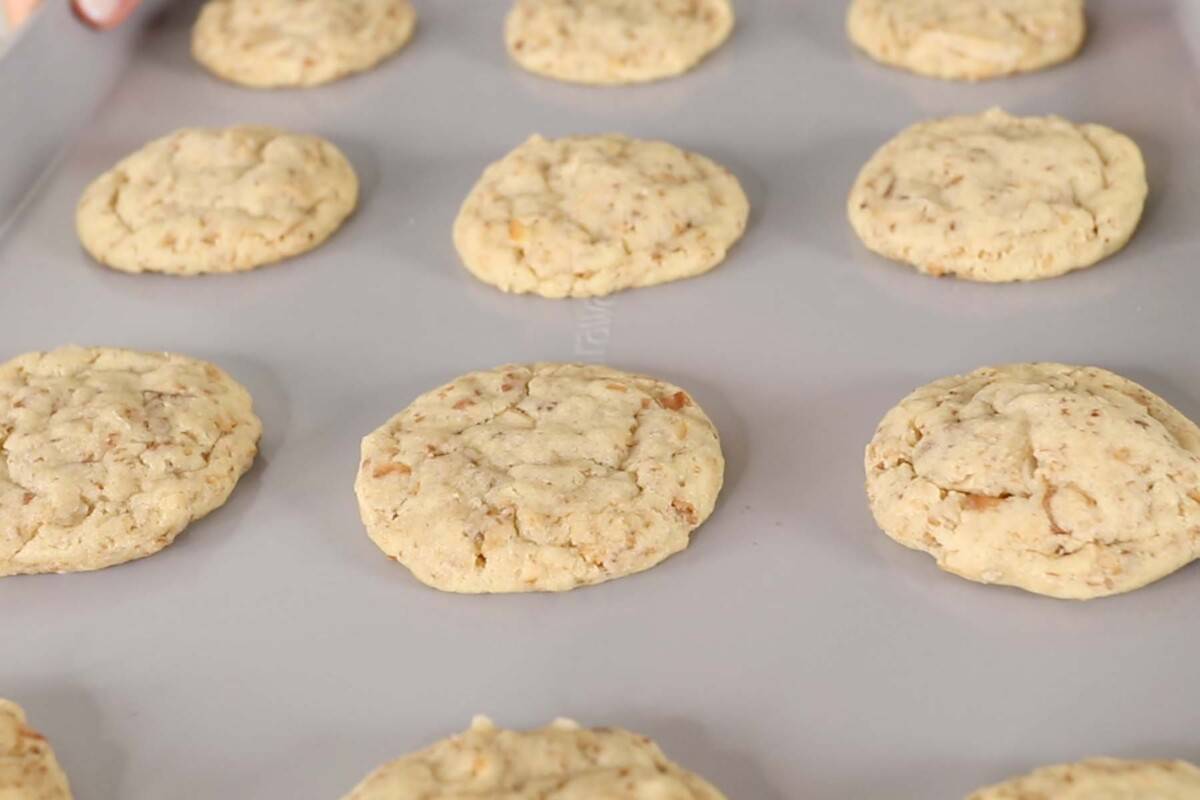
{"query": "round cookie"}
pixel 608 42
pixel 992 197
pixel 106 455
pixel 1066 481
pixel 272 43
pixel 216 200
pixel 539 478
pixel 561 760
pixel 967 39
pixel 590 215
pixel 1096 778
pixel 28 768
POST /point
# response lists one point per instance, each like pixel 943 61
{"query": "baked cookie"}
pixel 615 41
pixel 589 215
pixel 216 200
pixel 539 478
pixel 106 455
pixel 1096 778
pixel 28 768
pixel 561 760
pixel 967 39
pixel 272 43
pixel 1066 481
pixel 992 197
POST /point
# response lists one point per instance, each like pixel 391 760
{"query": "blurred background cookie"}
pixel 615 41
pixel 562 760
pixel 1101 779
pixel 279 43
pixel 967 39
pixel 28 767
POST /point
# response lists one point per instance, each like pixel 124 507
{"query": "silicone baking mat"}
pixel 793 651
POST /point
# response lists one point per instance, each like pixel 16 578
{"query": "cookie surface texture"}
pixel 539 477
pixel 561 761
pixel 279 43
pixel 216 200
pixel 1066 481
pixel 992 197
pixel 106 455
pixel 967 39
pixel 1101 779
pixel 590 215
pixel 615 41
pixel 28 767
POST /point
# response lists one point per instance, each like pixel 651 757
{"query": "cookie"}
pixel 1066 481
pixel 28 768
pixel 615 41
pixel 590 215
pixel 1095 778
pixel 275 43
pixel 561 760
pixel 992 197
pixel 539 478
pixel 967 39
pixel 106 455
pixel 216 200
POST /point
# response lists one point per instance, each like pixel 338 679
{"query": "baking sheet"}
pixel 792 651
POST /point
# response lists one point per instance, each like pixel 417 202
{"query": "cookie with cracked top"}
pixel 584 216
pixel 204 200
pixel 540 477
pixel 993 197
pixel 1062 480
pixel 106 455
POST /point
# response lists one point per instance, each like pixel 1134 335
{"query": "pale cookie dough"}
pixel 273 43
pixel 992 197
pixel 967 39
pixel 1101 779
pixel 590 215
pixel 28 768
pixel 539 478
pixel 561 761
pixel 216 200
pixel 106 455
pixel 1066 481
pixel 615 41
